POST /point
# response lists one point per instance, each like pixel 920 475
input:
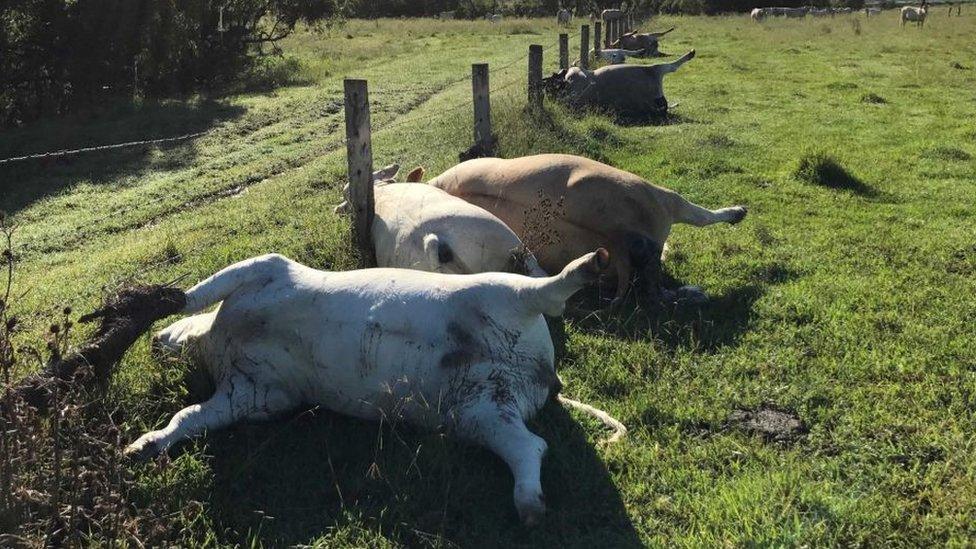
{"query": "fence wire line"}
pixel 330 148
pixel 162 140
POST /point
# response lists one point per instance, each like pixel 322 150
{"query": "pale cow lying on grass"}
pixel 910 13
pixel 493 18
pixel 598 206
pixel 467 353
pixel 417 226
pixel 626 90
pixel 646 42
pixel 613 56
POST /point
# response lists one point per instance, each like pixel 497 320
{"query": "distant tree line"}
pixel 55 54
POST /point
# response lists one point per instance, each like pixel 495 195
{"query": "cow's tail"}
pixel 660 34
pixel 619 430
pixel 225 282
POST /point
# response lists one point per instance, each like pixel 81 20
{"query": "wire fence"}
pixel 79 232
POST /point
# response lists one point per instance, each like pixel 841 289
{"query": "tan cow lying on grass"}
pixel 417 226
pixel 590 205
pixel 467 353
pixel 626 90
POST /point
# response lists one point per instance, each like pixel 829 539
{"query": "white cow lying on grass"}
pixel 615 56
pixel 468 353
pixel 421 227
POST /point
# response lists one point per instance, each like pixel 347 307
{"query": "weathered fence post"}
pixel 584 47
pixel 482 108
pixel 597 38
pixel 359 158
pixel 563 51
pixel 535 76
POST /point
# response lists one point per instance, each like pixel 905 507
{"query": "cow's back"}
pixel 561 205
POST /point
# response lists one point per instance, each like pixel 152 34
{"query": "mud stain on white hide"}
pixel 369 346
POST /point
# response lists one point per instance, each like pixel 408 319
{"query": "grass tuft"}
pixel 949 153
pixel 873 99
pixel 819 168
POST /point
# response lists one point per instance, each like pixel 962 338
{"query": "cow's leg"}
pixel 665 68
pixel 684 211
pixel 500 429
pixel 645 256
pixel 234 400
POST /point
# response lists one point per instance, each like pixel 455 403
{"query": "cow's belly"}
pixel 371 365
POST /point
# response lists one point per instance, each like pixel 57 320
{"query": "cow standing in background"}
pixel 909 13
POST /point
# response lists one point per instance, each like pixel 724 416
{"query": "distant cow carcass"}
pixel 420 227
pixel 647 42
pixel 577 203
pixel 615 56
pixel 493 18
pixel 445 15
pixel 469 355
pixel 564 16
pixel 627 90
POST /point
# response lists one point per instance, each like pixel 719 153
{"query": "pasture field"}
pixel 848 295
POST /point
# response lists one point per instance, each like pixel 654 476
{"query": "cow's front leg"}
pixel 235 399
pixel 502 431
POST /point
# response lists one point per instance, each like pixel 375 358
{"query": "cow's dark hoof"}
pixel 738 214
pixel 142 453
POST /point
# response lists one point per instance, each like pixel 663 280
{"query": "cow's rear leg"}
pixel 645 255
pixel 501 430
pixel 175 337
pixel 234 400
pixel 684 211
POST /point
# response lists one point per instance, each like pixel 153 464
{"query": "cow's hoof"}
pixel 533 518
pixel 738 214
pixel 141 451
pixel 691 295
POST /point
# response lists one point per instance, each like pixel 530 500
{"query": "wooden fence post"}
pixel 597 38
pixel 359 158
pixel 584 47
pixel 563 51
pixel 482 108
pixel 535 76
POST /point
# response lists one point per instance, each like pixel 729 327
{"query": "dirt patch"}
pixel 771 423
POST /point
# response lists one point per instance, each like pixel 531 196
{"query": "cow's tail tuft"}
pixel 619 430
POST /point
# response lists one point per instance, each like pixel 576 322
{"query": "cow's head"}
pixel 383 176
pixel 443 258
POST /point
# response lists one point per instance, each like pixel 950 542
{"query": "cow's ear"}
pixel 438 252
pixel 388 172
pixel 415 175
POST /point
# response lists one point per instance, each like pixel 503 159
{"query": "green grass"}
pixel 851 304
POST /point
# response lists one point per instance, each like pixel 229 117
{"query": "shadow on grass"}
pixel 718 322
pixel 294 482
pixel 823 170
pixel 24 182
